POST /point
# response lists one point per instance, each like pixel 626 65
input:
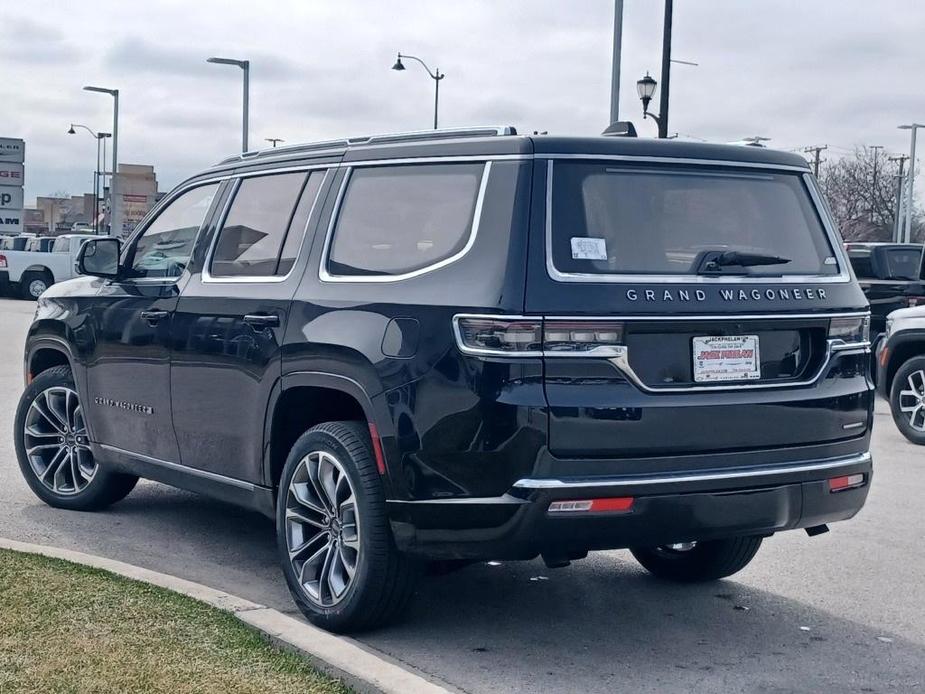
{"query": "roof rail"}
pixel 414 136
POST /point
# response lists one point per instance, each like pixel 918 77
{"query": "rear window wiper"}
pixel 716 262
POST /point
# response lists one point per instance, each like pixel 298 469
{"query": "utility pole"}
pixel 666 70
pixel 897 215
pixel 816 161
pixel 873 192
pixel 615 65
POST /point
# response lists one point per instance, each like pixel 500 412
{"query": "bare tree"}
pixel 861 189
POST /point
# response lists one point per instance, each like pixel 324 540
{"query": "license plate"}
pixel 726 358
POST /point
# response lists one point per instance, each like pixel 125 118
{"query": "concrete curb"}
pixel 337 656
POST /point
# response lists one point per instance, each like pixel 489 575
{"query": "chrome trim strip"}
pixel 818 466
pixel 434 160
pixel 831 235
pixel 732 317
pixel 177 467
pixel 676 160
pixel 208 278
pixel 326 276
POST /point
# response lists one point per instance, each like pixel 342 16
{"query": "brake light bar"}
pixel 617 504
pixel 845 482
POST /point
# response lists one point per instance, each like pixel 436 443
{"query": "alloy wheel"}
pixel 322 528
pixel 912 401
pixel 56 441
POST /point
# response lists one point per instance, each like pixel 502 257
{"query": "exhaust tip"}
pixel 817 530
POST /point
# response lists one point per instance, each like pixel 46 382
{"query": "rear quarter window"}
pixel 612 219
pixel 395 220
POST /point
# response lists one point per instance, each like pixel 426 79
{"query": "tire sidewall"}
pixel 370 505
pixel 27 282
pixel 899 417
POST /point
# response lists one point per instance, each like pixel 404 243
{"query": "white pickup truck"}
pixel 29 273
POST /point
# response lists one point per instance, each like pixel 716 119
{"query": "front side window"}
pixel 397 219
pixel 610 219
pixel 265 225
pixel 165 246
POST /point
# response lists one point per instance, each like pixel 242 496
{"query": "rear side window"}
pixel 862 265
pixel 394 220
pixel 903 263
pixel 251 239
pixel 62 245
pixel 621 220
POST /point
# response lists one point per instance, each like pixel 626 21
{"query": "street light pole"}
pixel 906 231
pixel 615 62
pixel 435 75
pixel 115 211
pixel 666 71
pixel 245 65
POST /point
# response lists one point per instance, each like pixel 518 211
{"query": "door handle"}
pixel 261 320
pixel 152 317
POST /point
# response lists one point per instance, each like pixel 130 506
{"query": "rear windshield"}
pixel 612 219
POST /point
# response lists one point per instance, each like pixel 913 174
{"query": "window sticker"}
pixel 589 248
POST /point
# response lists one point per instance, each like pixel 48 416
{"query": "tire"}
pixel 698 561
pixel 908 391
pixel 32 284
pixel 53 449
pixel 317 546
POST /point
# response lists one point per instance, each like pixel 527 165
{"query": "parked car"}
pixel 467 345
pixel 889 275
pixel 901 371
pixel 29 271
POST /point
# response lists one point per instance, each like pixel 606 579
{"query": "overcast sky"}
pixel 834 72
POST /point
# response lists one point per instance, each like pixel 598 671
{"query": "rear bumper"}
pixel 702 505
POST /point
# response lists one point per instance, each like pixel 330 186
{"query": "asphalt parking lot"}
pixel 843 612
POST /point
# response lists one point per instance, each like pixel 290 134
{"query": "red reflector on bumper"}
pixel 838 484
pixel 619 504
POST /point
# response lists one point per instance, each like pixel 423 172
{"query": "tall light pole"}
pixel 97 173
pixel 906 230
pixel 615 62
pixel 245 65
pixel 115 214
pixel 435 75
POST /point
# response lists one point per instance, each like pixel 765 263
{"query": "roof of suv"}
pixel 493 141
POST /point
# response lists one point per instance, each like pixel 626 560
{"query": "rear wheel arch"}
pixel 41 270
pixel 303 400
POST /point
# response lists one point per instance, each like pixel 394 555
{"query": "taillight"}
pixel 851 330
pixel 2 262
pixel 581 336
pixel 517 336
pixel 503 336
pixel 914 301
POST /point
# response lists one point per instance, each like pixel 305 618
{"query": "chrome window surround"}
pixel 326 276
pixel 832 235
pixel 824 465
pixel 618 355
pixel 208 278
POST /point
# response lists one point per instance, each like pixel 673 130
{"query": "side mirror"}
pixel 100 257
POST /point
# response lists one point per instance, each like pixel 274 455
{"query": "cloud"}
pixel 27 42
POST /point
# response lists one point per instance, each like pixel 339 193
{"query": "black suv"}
pixel 467 345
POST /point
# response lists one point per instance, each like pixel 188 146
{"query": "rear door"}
pixel 679 357
pixel 231 318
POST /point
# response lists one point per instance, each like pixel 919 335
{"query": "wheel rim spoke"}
pixel 322 528
pixel 55 439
